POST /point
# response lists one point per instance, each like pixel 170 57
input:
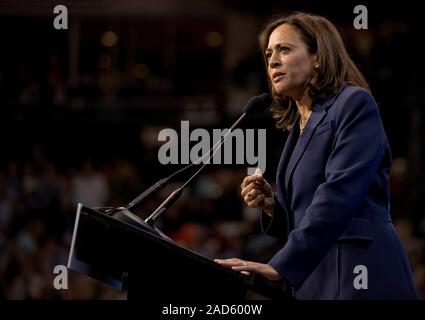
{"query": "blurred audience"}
pixel 37 210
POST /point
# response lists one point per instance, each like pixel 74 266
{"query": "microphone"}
pixel 255 105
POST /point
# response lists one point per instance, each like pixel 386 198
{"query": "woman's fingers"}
pixel 242 268
pixel 245 267
pixel 256 201
pixel 234 263
pixel 255 191
pixel 252 193
pixel 252 190
pixel 230 262
pixel 248 267
pixel 253 183
pixel 248 189
pixel 254 198
pixel 252 179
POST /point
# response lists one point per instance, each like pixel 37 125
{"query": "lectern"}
pixel 117 247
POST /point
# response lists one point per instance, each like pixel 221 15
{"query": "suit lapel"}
pixel 318 113
pixel 284 158
pixel 285 153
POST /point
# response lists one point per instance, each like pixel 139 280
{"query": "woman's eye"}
pixel 268 55
pixel 284 49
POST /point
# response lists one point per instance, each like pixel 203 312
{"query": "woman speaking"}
pixel 331 206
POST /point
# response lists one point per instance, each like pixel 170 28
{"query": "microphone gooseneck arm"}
pixel 178 192
pixel 160 184
pixel 154 189
pixel 222 140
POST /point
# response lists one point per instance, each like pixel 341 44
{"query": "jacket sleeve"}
pixel 356 153
pixel 277 225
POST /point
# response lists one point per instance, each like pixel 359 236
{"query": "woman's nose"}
pixel 274 61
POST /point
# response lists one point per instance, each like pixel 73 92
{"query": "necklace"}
pixel 300 122
pixel 301 126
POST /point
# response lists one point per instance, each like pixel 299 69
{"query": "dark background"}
pixel 81 109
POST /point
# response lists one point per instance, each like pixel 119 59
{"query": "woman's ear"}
pixel 316 62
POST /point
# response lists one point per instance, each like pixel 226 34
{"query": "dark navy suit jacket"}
pixel 332 206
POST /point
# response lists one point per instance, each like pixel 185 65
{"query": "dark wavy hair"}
pixel 335 66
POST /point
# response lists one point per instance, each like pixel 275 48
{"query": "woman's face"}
pixel 289 63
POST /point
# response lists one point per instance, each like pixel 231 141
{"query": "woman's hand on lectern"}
pixel 248 267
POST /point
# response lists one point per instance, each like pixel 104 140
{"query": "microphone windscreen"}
pixel 257 104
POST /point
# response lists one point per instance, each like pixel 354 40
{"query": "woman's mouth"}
pixel 277 76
